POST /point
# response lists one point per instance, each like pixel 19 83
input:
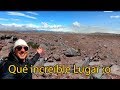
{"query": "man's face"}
pixel 21 52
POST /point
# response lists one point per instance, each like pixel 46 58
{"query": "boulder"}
pixel 86 61
pixel 98 75
pixel 40 62
pixel 43 46
pixel 8 36
pixel 83 63
pixel 50 64
pixel 56 57
pixel 103 77
pixel 94 63
pixel 56 40
pixel 14 38
pixel 70 52
pixel 115 69
pixel 2 37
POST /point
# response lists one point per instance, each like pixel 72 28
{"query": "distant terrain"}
pixel 88 50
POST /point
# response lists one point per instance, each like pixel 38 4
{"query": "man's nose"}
pixel 22 49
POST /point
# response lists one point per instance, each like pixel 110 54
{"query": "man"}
pixel 17 60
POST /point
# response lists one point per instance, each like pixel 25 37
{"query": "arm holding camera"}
pixel 39 53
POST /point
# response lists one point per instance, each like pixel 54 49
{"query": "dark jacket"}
pixel 13 60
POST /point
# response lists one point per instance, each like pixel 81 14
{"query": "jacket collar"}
pixel 13 57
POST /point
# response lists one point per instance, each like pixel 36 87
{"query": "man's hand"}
pixel 40 51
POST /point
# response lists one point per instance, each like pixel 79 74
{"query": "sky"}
pixel 63 21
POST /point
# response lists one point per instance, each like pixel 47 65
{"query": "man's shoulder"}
pixel 3 61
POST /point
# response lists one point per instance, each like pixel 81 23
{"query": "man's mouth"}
pixel 21 54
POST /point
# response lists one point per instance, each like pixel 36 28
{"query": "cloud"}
pixel 43 26
pixel 4 19
pixel 15 19
pixel 21 27
pixel 34 13
pixel 79 28
pixel 108 11
pixel 21 14
pixel 58 28
pixel 13 24
pixel 32 26
pixel 76 24
pixel 47 26
pixel 116 16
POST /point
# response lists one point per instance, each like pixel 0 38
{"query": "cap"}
pixel 20 42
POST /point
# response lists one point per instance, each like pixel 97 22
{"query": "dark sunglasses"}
pixel 20 47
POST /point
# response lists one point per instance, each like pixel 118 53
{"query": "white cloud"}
pixel 79 28
pixel 4 19
pixel 21 27
pixel 108 11
pixel 34 13
pixel 47 26
pixel 76 24
pixel 116 16
pixel 32 25
pixel 15 19
pixel 44 26
pixel 58 28
pixel 20 14
pixel 13 24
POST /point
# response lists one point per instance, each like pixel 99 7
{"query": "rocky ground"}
pixel 89 56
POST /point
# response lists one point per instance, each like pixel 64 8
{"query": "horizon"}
pixel 61 21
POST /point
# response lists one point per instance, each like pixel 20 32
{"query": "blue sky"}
pixel 67 21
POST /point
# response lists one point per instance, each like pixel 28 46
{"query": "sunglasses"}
pixel 20 47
